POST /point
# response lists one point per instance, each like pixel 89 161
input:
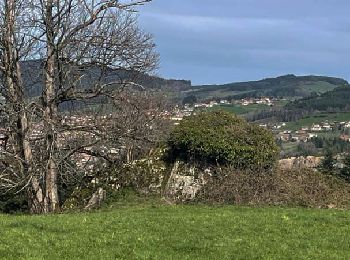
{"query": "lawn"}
pixel 179 232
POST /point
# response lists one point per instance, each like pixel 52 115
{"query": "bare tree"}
pixel 92 52
pixel 15 108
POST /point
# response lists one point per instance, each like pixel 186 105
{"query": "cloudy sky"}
pixel 220 41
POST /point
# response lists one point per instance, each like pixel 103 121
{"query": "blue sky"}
pixel 221 41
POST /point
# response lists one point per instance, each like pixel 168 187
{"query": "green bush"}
pixel 327 164
pixel 222 138
pixel 345 171
pixel 13 203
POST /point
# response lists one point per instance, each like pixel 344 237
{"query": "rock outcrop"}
pixel 97 199
pixel 185 181
pixel 300 162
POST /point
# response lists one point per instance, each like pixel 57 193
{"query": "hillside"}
pixel 283 86
pixel 33 78
pixel 332 105
pixel 336 100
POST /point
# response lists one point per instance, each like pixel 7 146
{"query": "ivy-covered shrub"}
pixel 142 177
pixel 222 138
pixel 12 203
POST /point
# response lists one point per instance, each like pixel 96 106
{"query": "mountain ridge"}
pixel 285 76
pixel 32 73
pixel 288 85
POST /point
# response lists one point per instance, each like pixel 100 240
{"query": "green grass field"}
pixel 221 91
pixel 318 87
pixel 241 110
pixel 218 93
pixel 179 232
pixel 290 147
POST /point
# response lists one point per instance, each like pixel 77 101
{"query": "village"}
pixel 179 112
pixel 305 133
pixel 280 129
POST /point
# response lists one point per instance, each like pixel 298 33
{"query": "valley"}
pixel 300 111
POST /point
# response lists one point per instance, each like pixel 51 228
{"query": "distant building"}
pixel 303 137
pixel 312 135
pixel 326 127
pixel 284 137
pixel 345 138
pixel 301 132
pixel 177 118
pixel 316 128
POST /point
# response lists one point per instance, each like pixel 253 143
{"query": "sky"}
pixel 222 41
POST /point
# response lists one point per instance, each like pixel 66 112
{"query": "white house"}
pixel 316 128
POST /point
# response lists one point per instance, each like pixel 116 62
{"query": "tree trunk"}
pixel 19 122
pixel 50 117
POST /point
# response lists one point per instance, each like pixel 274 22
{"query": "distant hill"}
pixel 33 78
pixel 283 86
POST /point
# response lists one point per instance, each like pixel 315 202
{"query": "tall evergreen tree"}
pixel 328 162
pixel 346 170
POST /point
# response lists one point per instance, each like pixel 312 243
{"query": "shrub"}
pixel 344 172
pixel 327 164
pixel 13 203
pixel 223 138
pixel 142 177
pixel 297 187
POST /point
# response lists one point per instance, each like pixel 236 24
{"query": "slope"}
pixel 283 86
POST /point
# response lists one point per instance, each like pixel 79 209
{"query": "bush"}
pixel 345 171
pixel 297 187
pixel 143 177
pixel 327 164
pixel 223 138
pixel 13 203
